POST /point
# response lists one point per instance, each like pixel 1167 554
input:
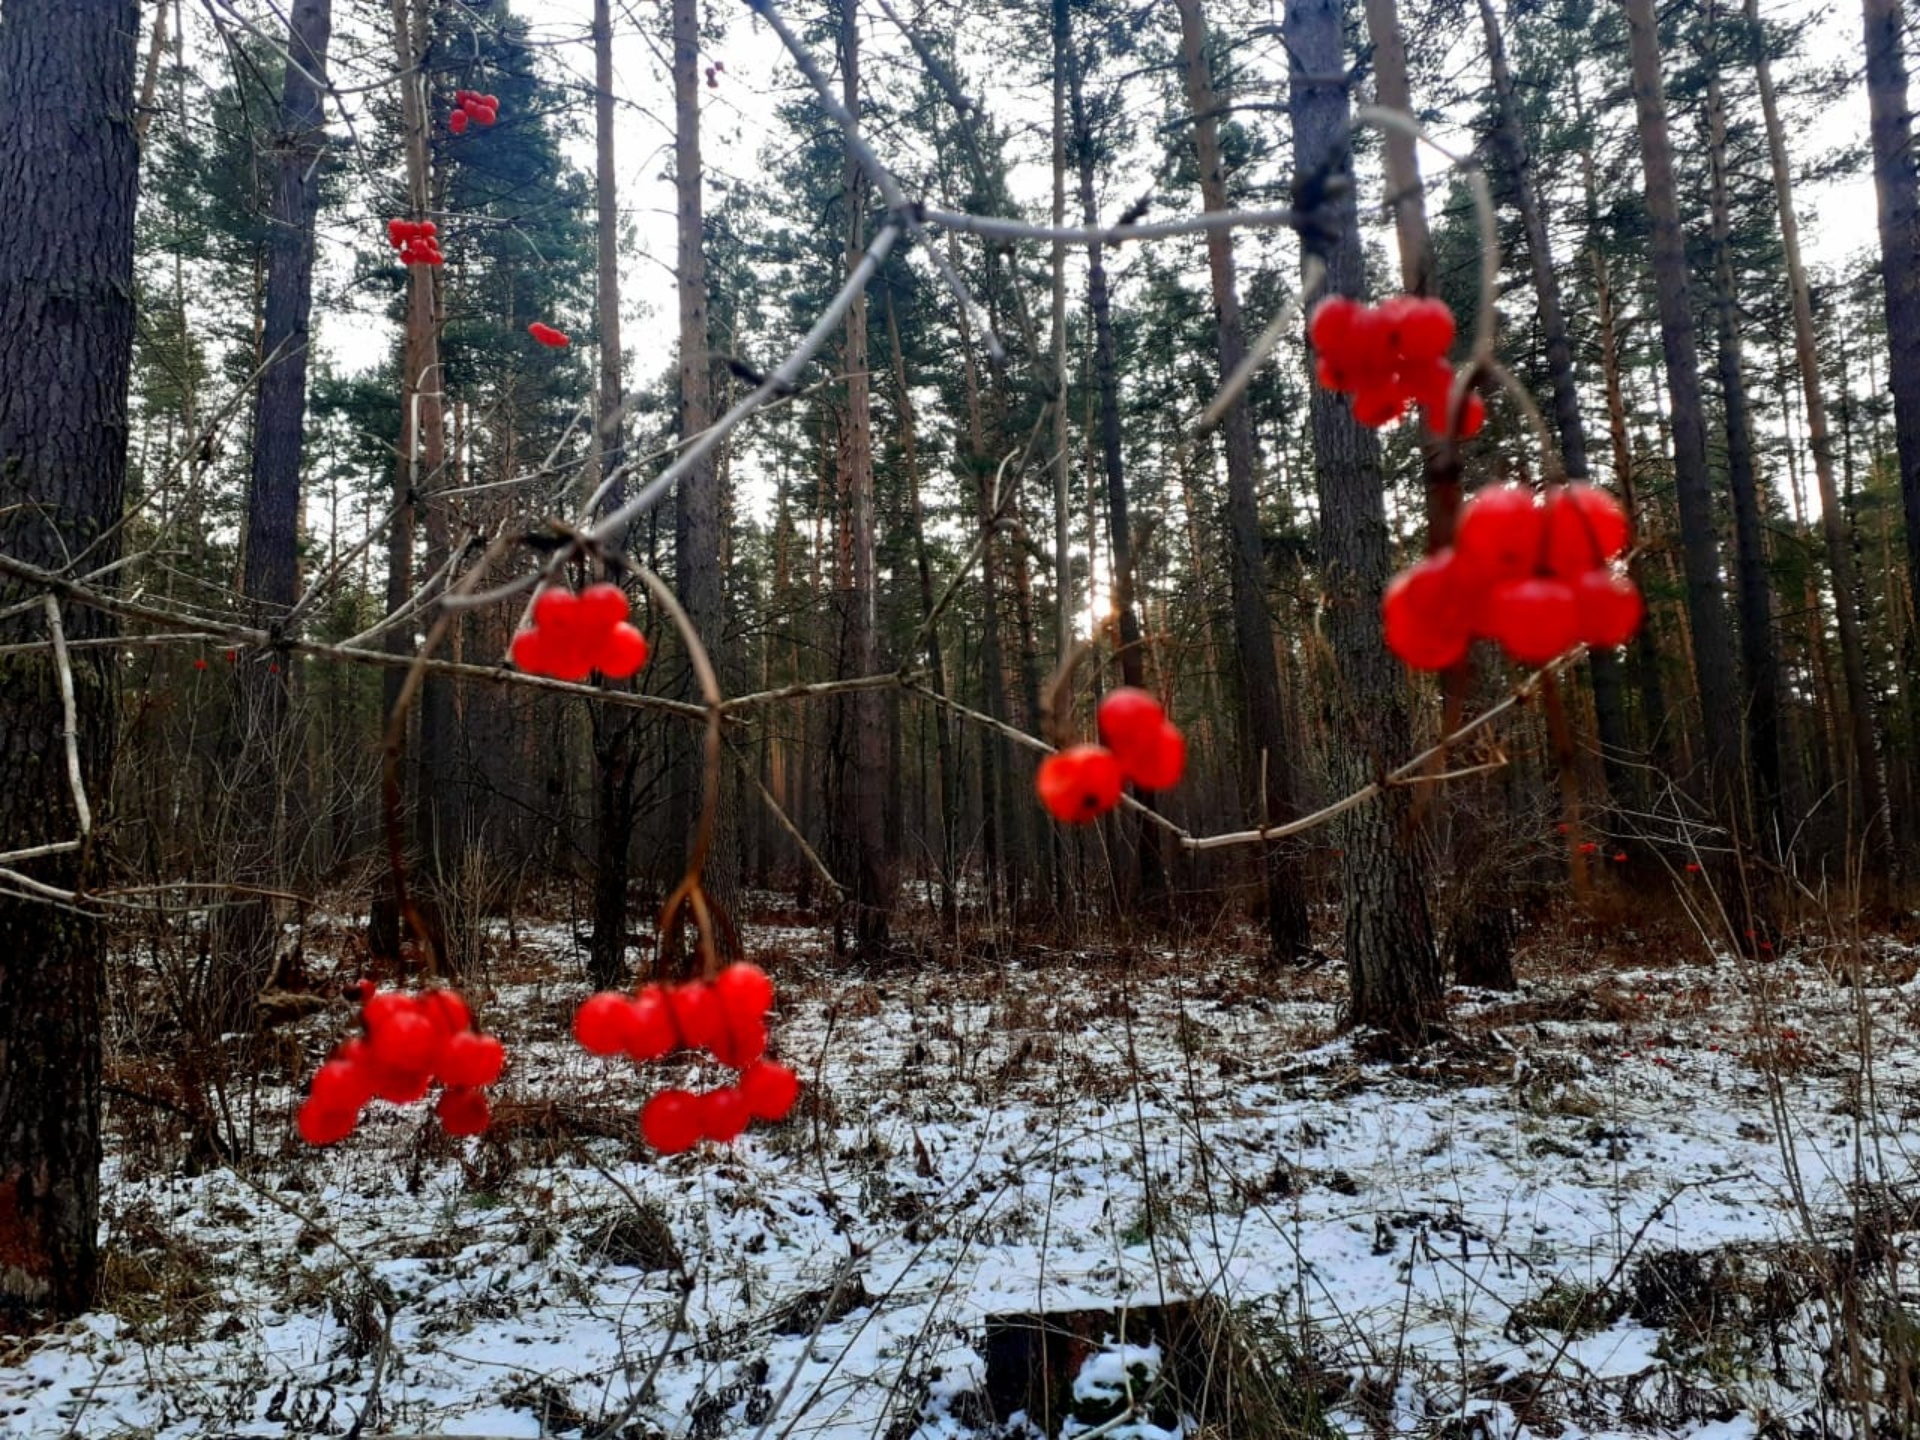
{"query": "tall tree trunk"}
pixel 1899 196
pixel 1133 668
pixel 1693 487
pixel 1061 465
pixel 1609 705
pixel 422 444
pixel 1757 648
pixel 68 175
pixel 265 769
pixel 1393 973
pixel 1269 750
pixel 613 730
pixel 867 775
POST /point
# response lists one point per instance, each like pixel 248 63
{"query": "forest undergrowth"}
pixel 1655 1189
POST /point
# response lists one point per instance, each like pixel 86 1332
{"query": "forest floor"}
pixel 1655 1192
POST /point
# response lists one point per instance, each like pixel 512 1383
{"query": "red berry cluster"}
pixel 548 336
pixel 1538 578
pixel 471 105
pixel 418 241
pixel 727 1017
pixel 574 635
pixel 1139 744
pixel 411 1042
pixel 1388 356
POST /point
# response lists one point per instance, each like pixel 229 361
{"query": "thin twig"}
pixel 70 715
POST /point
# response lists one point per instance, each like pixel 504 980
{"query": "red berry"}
pixel 1534 619
pixel 1369 356
pixel 457 122
pixel 1473 417
pixel 492 102
pixel 723 1114
pixel 696 1013
pixel 557 609
pixel 1331 374
pixel 1610 608
pixel 1619 857
pixel 604 1023
pixel 1425 330
pixel 672 1121
pixel 341 1085
pixel 399 1087
pixel 472 1060
pixel 547 335
pixel 770 1089
pixel 623 652
pixel 740 1042
pixel 532 651
pixel 321 1126
pixel 1331 328
pixel 377 1007
pixel 653 1032
pixel 1427 613
pixel 408 1041
pixel 1379 404
pixel 1585 528
pixel 200 664
pixel 463 1111
pixel 745 991
pixel 602 606
pixel 447 1010
pixel 1129 721
pixel 1163 762
pixel 1498 534
pixel 1079 784
pixel 485 114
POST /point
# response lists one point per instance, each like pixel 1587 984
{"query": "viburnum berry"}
pixel 672 1121
pixel 1585 528
pixel 1427 613
pixel 1163 762
pixel 1389 356
pixel 406 1040
pixel 1610 608
pixel 653 1031
pixel 400 1087
pixel 471 1060
pixel 321 1126
pixel 463 1111
pixel 1499 533
pixel 1080 784
pixel 745 991
pixel 604 1023
pixel 1534 619
pixel 1128 719
pixel 723 1114
pixel 548 336
pixel 457 122
pixel 697 1013
pixel 770 1089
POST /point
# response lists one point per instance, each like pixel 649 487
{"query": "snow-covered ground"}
pixel 1475 1243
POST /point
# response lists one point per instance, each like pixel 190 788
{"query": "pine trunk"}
pixel 1393 973
pixel 68 176
pixel 1693 487
pixel 1269 751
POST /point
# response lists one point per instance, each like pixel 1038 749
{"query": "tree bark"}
pixel 1393 972
pixel 613 731
pixel 1269 751
pixel 1758 652
pixel 1898 190
pixel 872 871
pixel 68 176
pixel 1693 489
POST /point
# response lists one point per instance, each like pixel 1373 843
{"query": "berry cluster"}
pixel 574 635
pixel 1536 577
pixel 1139 743
pixel 728 1017
pixel 471 105
pixel 1388 356
pixel 412 1041
pixel 548 336
pixel 418 241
